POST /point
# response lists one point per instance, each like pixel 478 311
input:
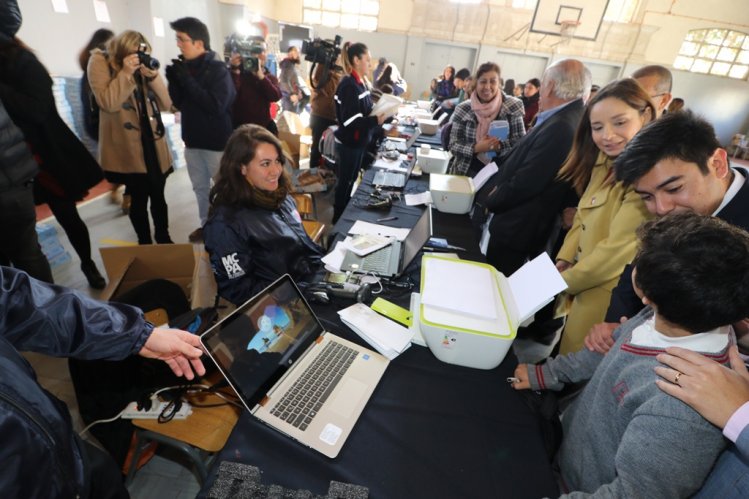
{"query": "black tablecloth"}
pixel 430 430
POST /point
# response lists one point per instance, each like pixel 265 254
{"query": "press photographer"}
pixel 294 89
pixel 325 75
pixel 256 87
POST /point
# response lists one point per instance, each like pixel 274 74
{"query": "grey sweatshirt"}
pixel 623 436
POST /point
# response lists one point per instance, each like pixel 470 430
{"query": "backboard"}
pixel 572 18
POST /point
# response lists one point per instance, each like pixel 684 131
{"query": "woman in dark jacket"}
pixel 530 100
pixel 355 125
pixel 68 170
pixel 254 233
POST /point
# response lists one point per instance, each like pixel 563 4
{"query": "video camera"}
pixel 325 52
pixel 146 59
pixel 247 47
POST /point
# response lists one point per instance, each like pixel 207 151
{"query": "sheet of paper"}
pixel 334 259
pixel 395 165
pixel 459 287
pixel 421 198
pixel 361 227
pixel 386 336
pixel 485 174
pixel 535 284
pixel 387 105
pixel 364 244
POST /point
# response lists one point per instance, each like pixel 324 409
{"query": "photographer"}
pixel 201 88
pixel 295 92
pixel 322 106
pixel 256 87
pixel 133 148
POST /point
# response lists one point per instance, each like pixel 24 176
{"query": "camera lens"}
pixel 148 61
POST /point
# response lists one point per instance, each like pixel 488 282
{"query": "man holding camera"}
pixel 201 88
pixel 256 88
pixel 295 92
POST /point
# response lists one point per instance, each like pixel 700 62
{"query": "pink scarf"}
pixel 485 112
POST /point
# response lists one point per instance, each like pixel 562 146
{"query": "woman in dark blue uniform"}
pixel 254 233
pixel 356 127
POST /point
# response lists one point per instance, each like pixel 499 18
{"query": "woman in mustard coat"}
pixel 133 147
pixel 602 239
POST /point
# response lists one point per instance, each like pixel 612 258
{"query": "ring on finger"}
pixel 676 378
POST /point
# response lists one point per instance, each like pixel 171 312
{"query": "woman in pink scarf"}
pixel 469 139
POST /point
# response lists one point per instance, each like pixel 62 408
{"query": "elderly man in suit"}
pixel 524 197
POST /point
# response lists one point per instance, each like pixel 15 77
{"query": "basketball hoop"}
pixel 567 29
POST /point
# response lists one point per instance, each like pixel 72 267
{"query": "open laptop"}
pixel 394 258
pixel 289 372
pixel 392 179
pixel 403 145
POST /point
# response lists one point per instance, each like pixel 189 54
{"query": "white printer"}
pixel 468 312
pixel 452 193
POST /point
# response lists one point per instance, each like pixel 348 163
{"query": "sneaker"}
pixel 196 236
pixel 94 278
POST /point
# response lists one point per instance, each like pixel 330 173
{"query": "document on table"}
pixel 421 198
pixel 361 227
pixel 334 259
pixel 534 285
pixel 395 165
pixel 459 287
pixel 485 174
pixel 385 336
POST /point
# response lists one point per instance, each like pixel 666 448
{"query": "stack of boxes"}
pixel 51 246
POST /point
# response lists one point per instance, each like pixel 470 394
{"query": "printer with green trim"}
pixel 468 312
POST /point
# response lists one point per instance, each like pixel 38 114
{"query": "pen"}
pixel 513 380
pixel 387 219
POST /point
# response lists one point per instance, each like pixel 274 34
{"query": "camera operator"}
pixel 295 92
pixel 322 106
pixel 201 88
pixel 133 149
pixel 256 87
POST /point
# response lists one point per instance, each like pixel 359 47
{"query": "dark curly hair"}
pixel 695 270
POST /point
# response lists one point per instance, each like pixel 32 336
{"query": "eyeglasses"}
pixel 658 95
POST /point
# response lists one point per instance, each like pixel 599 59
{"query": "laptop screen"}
pixel 257 343
pixel 418 237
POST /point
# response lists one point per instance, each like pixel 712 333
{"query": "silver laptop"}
pixel 392 179
pixel 394 258
pixel 289 372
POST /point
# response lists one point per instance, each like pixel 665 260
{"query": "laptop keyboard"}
pixel 389 179
pixel 377 261
pixel 301 403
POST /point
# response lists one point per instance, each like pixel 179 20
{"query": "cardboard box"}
pixel 293 133
pixel 130 266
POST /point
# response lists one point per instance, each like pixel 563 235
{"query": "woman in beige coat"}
pixel 133 148
pixel 602 239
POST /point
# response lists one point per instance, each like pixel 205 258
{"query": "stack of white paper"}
pixel 384 335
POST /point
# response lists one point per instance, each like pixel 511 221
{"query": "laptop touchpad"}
pixel 348 397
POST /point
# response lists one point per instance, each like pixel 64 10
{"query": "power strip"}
pixel 132 412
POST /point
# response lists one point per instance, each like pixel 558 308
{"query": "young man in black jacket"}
pixel 202 89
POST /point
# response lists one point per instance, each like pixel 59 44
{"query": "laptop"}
pixel 289 372
pixel 394 258
pixel 393 179
pixel 403 145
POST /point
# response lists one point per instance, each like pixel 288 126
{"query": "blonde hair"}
pixel 123 45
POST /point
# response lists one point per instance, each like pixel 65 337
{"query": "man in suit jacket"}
pixel 525 197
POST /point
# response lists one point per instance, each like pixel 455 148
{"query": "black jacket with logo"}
pixel 252 247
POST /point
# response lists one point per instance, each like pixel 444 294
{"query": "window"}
pixel 719 52
pixel 350 14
